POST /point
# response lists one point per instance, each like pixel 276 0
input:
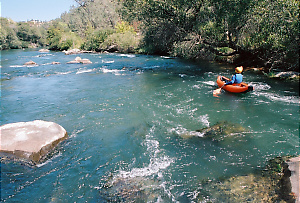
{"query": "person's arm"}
pixel 232 80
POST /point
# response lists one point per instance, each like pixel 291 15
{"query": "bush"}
pixel 123 26
pixel 60 38
pixel 95 39
pixel 127 42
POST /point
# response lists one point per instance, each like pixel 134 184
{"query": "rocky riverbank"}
pixel 272 184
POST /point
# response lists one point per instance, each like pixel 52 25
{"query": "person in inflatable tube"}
pixel 237 77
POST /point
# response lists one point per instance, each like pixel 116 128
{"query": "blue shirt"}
pixel 236 78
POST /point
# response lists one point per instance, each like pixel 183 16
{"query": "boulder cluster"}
pixel 69 52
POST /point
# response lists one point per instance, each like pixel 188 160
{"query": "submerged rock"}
pixel 221 130
pixel 31 140
pixel 131 189
pixel 272 184
pixel 247 188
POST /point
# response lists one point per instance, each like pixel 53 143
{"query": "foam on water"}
pixel 113 71
pixel 84 70
pixel 280 98
pixel 128 55
pixel 105 61
pixel 158 161
pixel 261 90
pixel 184 133
pixel 49 160
pixel 63 73
pixel 210 83
pixel 204 119
pixel 17 66
pixel 258 86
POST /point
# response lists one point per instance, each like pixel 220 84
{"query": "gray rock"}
pixel 30 63
pixel 44 50
pixel 294 167
pixel 131 189
pixel 31 140
pixel 73 62
pixel 270 184
pixel 79 60
pixel 287 75
pixel 85 61
pixel 72 51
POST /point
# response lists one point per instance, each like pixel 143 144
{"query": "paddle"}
pixel 216 92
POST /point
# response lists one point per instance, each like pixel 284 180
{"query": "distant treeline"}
pixel 248 32
pixel 15 35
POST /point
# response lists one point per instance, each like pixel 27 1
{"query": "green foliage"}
pixel 126 42
pixel 8 36
pixel 273 32
pixel 122 27
pixel 95 39
pixel 20 35
pixel 123 38
pixel 61 38
pixel 91 14
pixel 258 31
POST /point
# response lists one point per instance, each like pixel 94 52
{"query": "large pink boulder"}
pixel 31 140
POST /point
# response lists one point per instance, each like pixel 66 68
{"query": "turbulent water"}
pixel 132 122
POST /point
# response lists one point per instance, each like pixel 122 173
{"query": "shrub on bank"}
pixel 95 39
pixel 126 42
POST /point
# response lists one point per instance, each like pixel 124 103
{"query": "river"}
pixel 127 117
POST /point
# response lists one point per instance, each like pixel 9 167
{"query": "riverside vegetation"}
pixel 249 32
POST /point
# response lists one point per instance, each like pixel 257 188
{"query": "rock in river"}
pixel 273 183
pixel 221 130
pixel 31 140
pixel 72 51
pixel 79 60
pixel 44 50
pixel 29 63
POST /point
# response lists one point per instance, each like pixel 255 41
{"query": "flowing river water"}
pixel 132 121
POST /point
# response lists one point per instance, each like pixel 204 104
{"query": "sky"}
pixel 43 10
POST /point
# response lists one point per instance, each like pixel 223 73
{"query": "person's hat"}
pixel 239 69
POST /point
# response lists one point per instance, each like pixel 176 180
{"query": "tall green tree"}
pixel 60 37
pixel 92 15
pixel 21 35
pixel 257 31
pixel 8 36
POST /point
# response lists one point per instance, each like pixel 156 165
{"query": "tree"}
pixel 91 14
pixel 60 37
pixel 256 32
pixel 8 36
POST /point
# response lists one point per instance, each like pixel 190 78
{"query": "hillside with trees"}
pixel 250 32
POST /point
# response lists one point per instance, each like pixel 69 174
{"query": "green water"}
pixel 132 122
